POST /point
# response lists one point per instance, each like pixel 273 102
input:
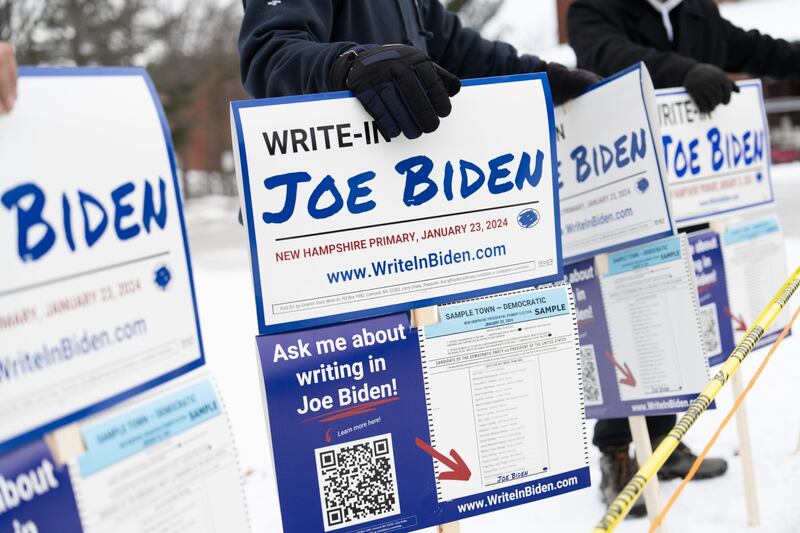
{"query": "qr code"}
pixel 709 330
pixel 357 482
pixel 591 381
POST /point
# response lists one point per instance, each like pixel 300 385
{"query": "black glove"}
pixel 566 84
pixel 398 85
pixel 708 86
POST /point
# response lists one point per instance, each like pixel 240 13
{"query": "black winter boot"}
pixel 681 461
pixel 618 467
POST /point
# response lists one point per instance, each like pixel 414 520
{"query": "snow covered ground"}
pixel 224 291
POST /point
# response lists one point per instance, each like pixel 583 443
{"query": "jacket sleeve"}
pixel 284 48
pixel 760 55
pixel 463 51
pixel 602 46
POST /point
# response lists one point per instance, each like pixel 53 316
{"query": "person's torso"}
pixel 696 24
pixel 379 22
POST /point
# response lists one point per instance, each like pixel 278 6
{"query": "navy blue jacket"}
pixel 287 47
pixel 609 35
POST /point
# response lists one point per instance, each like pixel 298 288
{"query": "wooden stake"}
pixel 65 443
pixel 746 454
pixel 797 451
pixel 644 449
pixel 452 527
pixel 422 317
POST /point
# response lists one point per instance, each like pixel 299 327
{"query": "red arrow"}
pixel 740 324
pixel 328 435
pixel 626 371
pixel 459 469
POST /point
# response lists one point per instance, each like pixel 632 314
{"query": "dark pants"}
pixel 617 432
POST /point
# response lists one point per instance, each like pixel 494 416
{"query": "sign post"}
pixel 644 449
pixel 746 453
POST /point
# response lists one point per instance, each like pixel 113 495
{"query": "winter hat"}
pixel 664 8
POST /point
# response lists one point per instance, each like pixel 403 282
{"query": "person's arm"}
pixel 8 78
pixel 284 48
pixel 760 55
pixel 466 54
pixel 603 47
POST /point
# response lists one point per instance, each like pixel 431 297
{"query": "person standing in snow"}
pixel 401 58
pixel 682 42
pixel 8 78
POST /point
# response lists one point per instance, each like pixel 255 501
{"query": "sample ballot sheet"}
pixel 165 466
pixel 503 377
pixel 652 310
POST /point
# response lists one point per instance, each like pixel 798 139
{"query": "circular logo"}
pixel 528 218
pixel 162 277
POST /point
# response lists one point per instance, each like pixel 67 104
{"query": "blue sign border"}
pixel 26 71
pixel 672 223
pixel 267 329
pixel 765 125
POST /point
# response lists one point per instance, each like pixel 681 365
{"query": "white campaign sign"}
pixel 611 187
pixel 344 224
pixel 96 298
pixel 717 163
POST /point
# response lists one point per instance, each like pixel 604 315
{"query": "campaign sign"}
pixel 715 315
pixel 345 224
pixel 36 494
pixel 718 162
pixel 612 191
pixel 377 429
pixel 638 318
pixel 754 252
pixel 96 296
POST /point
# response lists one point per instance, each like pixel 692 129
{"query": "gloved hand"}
pixel 398 85
pixel 8 78
pixel 708 86
pixel 566 84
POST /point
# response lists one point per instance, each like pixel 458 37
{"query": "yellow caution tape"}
pixel 621 506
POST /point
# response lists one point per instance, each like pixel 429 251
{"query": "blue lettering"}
pixel 149 211
pixel 290 181
pixel 92 234
pixel 666 141
pixel 582 167
pixel 717 157
pixel 467 188
pixel 694 166
pixel 415 178
pixel 326 185
pixel 497 172
pixel 638 145
pixel 67 208
pixel 123 210
pixel 622 159
pixel 359 190
pixel 527 174
pixel 28 219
